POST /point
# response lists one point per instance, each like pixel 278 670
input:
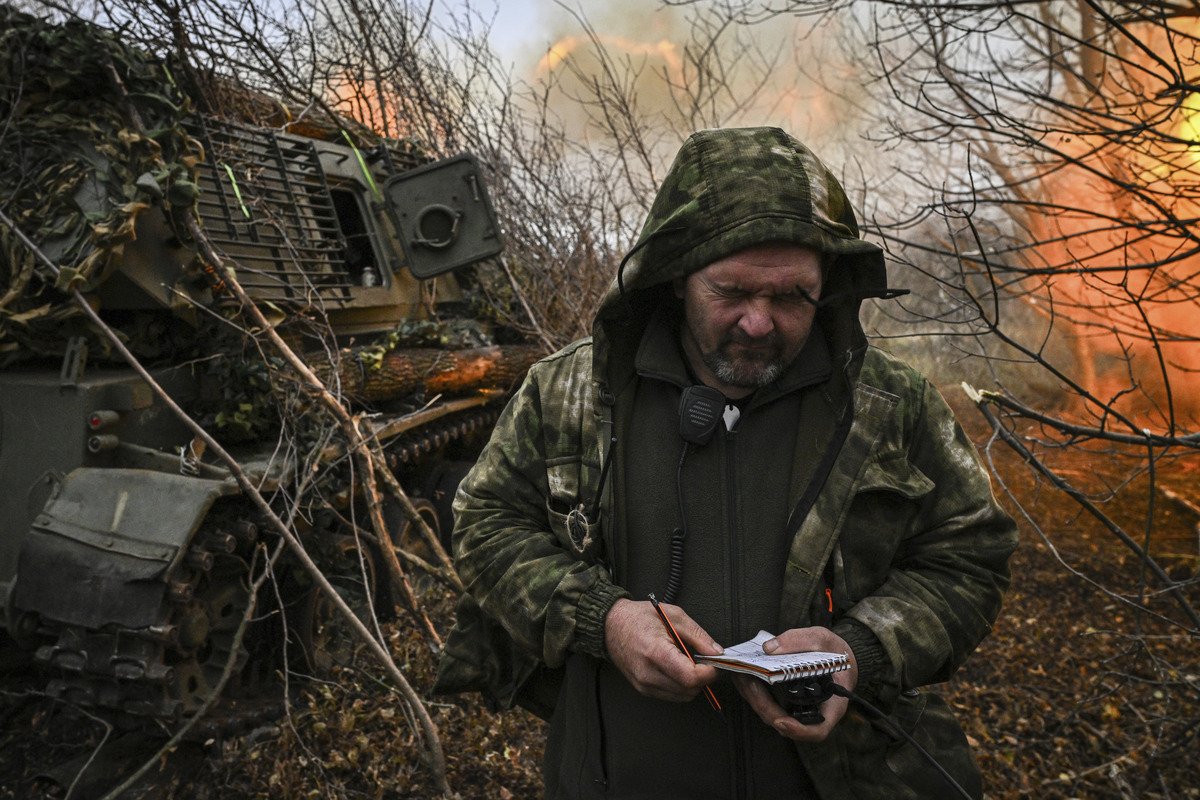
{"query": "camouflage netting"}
pixel 74 173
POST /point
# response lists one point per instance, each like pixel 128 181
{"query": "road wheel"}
pixel 327 640
pixel 406 537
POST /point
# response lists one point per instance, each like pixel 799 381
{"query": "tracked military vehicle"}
pixel 125 554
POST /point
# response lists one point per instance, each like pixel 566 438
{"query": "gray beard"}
pixel 745 376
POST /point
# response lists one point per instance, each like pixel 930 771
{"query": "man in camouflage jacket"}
pixel 841 506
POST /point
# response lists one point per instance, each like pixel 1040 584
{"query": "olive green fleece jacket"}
pixel 904 523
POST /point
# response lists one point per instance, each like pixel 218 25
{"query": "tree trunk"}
pixel 404 371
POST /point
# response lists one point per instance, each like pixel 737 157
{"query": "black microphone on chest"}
pixel 700 410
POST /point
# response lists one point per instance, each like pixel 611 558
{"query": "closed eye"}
pixel 795 296
pixel 798 295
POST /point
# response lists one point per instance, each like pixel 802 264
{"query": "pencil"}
pixel 708 692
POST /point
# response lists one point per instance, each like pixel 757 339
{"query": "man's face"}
pixel 746 316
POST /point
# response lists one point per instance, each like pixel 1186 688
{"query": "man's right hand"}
pixel 639 645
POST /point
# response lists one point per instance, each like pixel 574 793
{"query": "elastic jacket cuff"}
pixel 593 607
pixel 868 653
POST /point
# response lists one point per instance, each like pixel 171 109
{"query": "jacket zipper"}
pixel 606 451
pixel 808 499
pixel 735 617
pixel 737 721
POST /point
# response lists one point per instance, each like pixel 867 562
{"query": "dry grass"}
pixel 1073 696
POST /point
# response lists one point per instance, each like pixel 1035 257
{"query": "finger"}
pixel 680 670
pixel 667 684
pixel 690 631
pixel 758 697
pixel 832 710
pixel 659 668
pixel 801 640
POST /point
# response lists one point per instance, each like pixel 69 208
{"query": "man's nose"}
pixel 756 320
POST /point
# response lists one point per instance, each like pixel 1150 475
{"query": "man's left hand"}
pixel 758 695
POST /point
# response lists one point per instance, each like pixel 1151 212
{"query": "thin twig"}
pixel 433 743
pixel 1172 587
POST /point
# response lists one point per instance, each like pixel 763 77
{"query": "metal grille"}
pixel 400 156
pixel 275 216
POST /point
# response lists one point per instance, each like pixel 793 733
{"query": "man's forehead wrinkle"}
pixel 775 281
pixel 750 287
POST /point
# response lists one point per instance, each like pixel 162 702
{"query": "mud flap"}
pixel 98 551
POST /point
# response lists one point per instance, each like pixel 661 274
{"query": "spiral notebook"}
pixel 749 658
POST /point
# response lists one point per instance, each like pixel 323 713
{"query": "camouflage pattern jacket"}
pixel 904 525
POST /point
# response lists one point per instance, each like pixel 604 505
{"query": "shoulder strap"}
pixel 821 512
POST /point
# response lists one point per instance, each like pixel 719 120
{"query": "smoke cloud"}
pixel 684 73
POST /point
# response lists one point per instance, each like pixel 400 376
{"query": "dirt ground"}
pixel 1078 693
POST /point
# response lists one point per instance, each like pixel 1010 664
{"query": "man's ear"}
pixel 677 285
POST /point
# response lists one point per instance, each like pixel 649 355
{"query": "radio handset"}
pixel 700 409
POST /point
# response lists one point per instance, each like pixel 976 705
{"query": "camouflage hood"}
pixel 727 190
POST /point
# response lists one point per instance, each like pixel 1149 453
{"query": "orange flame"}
pixel 359 97
pixel 1129 325
pixel 663 49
